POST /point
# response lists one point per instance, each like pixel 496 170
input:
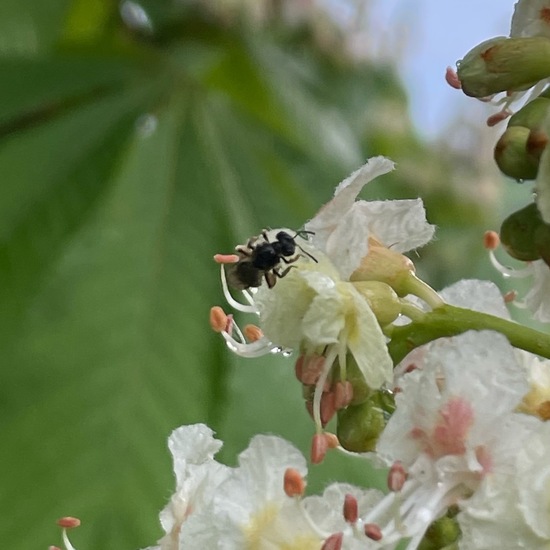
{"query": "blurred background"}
pixel 139 138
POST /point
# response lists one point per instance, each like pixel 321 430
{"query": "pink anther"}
pixel 226 258
pixel 294 484
pixel 491 240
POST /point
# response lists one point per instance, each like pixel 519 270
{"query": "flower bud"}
pixel 360 426
pixel 360 389
pixel 533 114
pixel 382 299
pixel 384 265
pixel 441 534
pixel 504 64
pixel 517 233
pixel 511 154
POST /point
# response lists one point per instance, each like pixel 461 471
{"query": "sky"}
pixel 437 33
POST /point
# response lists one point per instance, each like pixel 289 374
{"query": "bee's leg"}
pixel 282 273
pixel 245 250
pixel 291 260
pixel 270 278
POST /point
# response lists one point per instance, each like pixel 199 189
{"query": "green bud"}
pixel 361 390
pixel 504 64
pixel 533 114
pixel 382 299
pixel 440 534
pixel 360 426
pixel 511 154
pixel 517 233
pixel 542 242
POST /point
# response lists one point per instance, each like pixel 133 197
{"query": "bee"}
pixel 262 258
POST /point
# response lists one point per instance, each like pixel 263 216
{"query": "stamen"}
pixel 491 240
pixel 396 477
pixel 373 531
pixel 294 484
pixel 230 300
pixel 309 368
pixel 334 542
pixel 319 447
pixel 493 120
pixel 226 258
pixel 351 509
pixel 328 409
pixel 332 440
pixel 343 394
pixel 327 365
pixel 253 333
pixel 510 296
pixel 508 271
pixel 68 522
pixel 218 319
pixel 254 349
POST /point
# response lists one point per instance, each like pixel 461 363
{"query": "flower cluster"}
pixel 343 290
pixel 442 389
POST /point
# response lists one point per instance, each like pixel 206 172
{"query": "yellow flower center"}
pixel 265 532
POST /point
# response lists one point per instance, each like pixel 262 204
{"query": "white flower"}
pixel 531 18
pixel 537 400
pixel 323 306
pixel 198 476
pixel 537 300
pixel 252 510
pixel 510 510
pixel 449 425
pixel 343 226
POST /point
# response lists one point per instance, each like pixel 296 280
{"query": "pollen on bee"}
pixel 226 258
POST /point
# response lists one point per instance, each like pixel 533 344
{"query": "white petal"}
pixel 195 443
pixel 349 242
pixel 400 225
pixel 336 211
pixel 324 320
pixel 482 296
pixel 538 298
pixel 530 19
pixel 367 343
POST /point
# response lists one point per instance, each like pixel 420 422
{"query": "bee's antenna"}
pixel 301 233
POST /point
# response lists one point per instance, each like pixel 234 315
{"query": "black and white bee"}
pixel 261 258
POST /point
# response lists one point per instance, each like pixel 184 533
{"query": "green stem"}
pixel 413 285
pixel 411 311
pixel 449 320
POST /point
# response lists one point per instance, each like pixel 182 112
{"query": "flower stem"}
pixel 419 288
pixel 449 320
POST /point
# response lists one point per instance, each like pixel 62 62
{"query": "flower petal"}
pixel 367 342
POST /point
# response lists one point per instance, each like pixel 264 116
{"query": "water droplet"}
pixel 135 17
pixel 146 125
